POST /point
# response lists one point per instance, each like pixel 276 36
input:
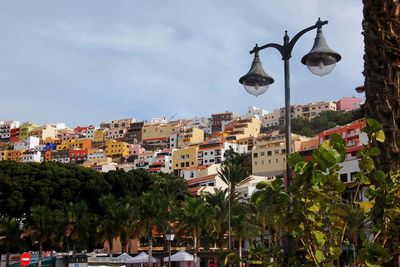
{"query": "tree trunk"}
pixel 40 254
pixel 382 74
pixel 150 251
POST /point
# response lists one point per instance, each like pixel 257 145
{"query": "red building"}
pixel 14 134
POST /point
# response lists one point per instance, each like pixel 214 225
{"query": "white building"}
pixel 213 151
pixel 31 156
pixel 30 143
pixel 201 123
pixel 256 112
pixel 5 127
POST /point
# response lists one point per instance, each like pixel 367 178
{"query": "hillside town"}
pixel 189 148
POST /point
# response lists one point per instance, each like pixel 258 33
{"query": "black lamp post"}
pixel 320 60
pixel 170 237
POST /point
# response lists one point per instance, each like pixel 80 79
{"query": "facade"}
pixel 161 130
pixel 79 155
pixel 30 143
pixel 242 128
pixel 205 184
pixel 61 156
pixel 15 155
pixel 135 149
pixel 99 136
pixel 75 144
pixel 117 149
pixel 184 158
pixel 271 119
pixel 189 136
pixel 14 135
pixel 5 129
pixel 269 154
pixel 25 129
pixel 201 123
pixel 115 133
pixel 31 156
pixel 348 103
pixel 213 151
pixel 134 133
pixel 255 112
pixel 44 132
pixel 219 120
pixel 162 162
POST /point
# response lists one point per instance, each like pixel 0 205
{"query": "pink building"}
pixel 348 103
pixel 135 149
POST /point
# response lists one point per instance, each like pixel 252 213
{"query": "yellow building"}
pixel 75 144
pixel 3 155
pixel 242 128
pixel 99 135
pixel 44 132
pixel 269 154
pixel 189 136
pixel 161 130
pixel 25 129
pixel 117 149
pixel 185 158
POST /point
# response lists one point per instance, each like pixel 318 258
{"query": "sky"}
pixel 84 62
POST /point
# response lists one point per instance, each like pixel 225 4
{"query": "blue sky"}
pixel 83 62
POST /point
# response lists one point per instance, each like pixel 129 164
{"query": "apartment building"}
pixel 75 144
pixel 115 133
pixel 162 162
pixel 144 160
pixel 31 156
pixel 44 132
pixel 25 129
pixel 206 184
pixel 201 123
pixel 219 120
pixel 61 156
pixel 99 136
pixel 242 128
pixel 162 130
pixel 184 158
pixel 213 151
pixel 30 143
pixel 14 135
pixel 269 154
pixel 255 112
pixel 348 103
pixel 189 136
pixel 134 133
pixel 117 149
pixel 5 129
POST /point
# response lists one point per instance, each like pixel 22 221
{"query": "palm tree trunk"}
pixel 40 254
pixel 8 258
pixel 150 252
pixel 195 248
pixel 382 74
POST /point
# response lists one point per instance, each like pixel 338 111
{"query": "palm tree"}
pixel 193 218
pixel 152 215
pixel 217 203
pixel 75 222
pixel 109 224
pixel 40 227
pixel 381 60
pixel 9 235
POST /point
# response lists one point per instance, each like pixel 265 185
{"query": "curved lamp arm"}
pixel 287 47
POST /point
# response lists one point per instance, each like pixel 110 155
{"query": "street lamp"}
pixel 320 61
pixel 170 237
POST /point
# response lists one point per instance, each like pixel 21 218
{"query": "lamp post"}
pixel 320 61
pixel 170 237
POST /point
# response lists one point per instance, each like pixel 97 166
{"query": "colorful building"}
pixel 242 128
pixel 348 103
pixel 117 149
pixel 25 129
pixel 75 145
pixel 189 136
pixel 185 158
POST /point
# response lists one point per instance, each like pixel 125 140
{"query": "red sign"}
pixel 25 259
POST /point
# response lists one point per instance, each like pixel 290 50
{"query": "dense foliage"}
pixel 325 120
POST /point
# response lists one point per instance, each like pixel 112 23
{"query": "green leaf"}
pixel 374 124
pixel 366 205
pixel 319 236
pixel 380 136
pixel 375 151
pixel 379 176
pixel 319 255
pixel 314 208
pixel 295 158
pixel 366 164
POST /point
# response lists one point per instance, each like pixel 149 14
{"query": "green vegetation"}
pixel 66 207
pixel 326 120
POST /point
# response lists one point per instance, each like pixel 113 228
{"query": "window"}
pixel 343 177
pixel 276 151
pixel 255 163
pixel 255 155
pixel 262 154
pixel 269 153
pixel 277 160
pixel 283 151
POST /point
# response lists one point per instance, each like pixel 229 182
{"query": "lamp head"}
pixel 321 59
pixel 256 81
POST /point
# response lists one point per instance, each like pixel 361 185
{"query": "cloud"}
pixel 96 60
